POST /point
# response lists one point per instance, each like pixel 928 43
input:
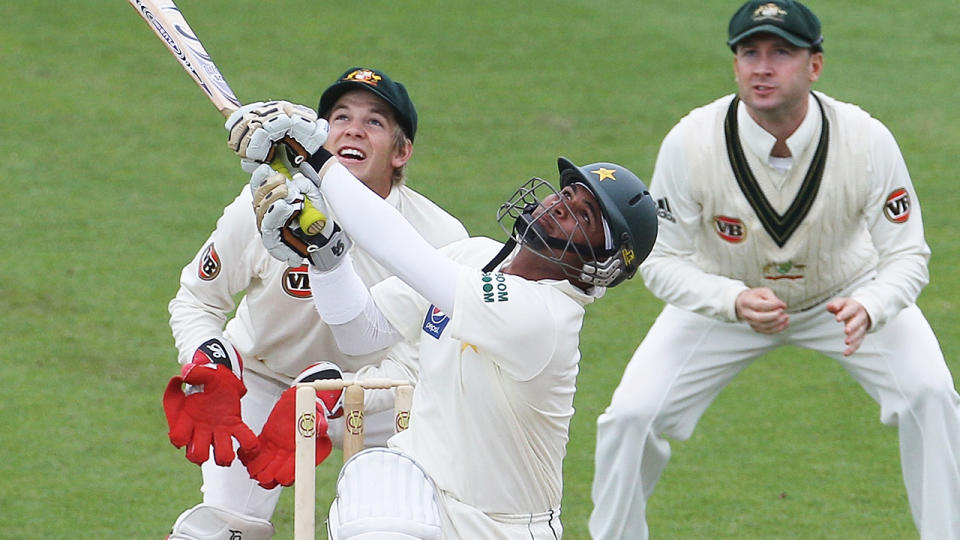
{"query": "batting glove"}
pixel 256 128
pixel 277 204
pixel 207 411
pixel 273 464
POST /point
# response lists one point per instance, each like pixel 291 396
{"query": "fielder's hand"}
pixel 208 412
pixel 762 310
pixel 277 204
pixel 273 464
pixel 255 128
pixel 855 319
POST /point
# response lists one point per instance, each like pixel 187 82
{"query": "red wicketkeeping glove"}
pixel 209 411
pixel 273 464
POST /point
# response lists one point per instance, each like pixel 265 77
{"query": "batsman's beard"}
pixel 530 232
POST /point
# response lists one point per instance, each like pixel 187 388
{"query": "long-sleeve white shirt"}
pixel 864 220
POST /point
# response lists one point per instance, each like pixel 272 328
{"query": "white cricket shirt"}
pixel 491 413
pixel 863 219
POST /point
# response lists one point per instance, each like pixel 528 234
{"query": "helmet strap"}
pixel 501 255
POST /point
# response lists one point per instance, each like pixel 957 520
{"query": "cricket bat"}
pixel 168 23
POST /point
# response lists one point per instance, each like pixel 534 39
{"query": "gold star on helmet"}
pixel 604 173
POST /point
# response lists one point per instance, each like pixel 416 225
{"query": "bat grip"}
pixel 311 220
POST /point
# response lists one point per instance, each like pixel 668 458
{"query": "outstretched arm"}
pixel 379 229
pixel 345 304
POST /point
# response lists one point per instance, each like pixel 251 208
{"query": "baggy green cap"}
pixel 377 82
pixel 788 19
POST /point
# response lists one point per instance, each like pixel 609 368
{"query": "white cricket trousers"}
pixel 686 359
pixel 384 493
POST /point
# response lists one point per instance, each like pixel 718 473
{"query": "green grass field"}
pixel 114 171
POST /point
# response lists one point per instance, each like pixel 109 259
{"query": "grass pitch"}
pixel 115 171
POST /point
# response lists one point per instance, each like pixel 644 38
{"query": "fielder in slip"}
pixel 498 327
pixel 787 218
pixel 276 334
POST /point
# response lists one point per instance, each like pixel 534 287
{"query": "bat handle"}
pixel 311 220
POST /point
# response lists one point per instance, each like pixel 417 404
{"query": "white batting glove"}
pixel 255 129
pixel 267 186
pixel 277 204
pixel 308 189
pixel 276 223
pixel 327 250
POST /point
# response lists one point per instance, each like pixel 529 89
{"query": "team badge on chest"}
pixel 786 270
pixel 730 229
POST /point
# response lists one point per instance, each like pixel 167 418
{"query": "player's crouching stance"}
pixel 498 331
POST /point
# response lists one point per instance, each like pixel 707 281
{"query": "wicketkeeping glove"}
pixel 273 464
pixel 255 128
pixel 208 412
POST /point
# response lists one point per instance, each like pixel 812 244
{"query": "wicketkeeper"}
pixel 235 385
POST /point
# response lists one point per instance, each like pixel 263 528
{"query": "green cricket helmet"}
pixel 629 218
pixel 630 214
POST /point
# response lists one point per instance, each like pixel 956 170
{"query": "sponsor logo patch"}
pixel 296 282
pixel 213 351
pixel 209 264
pixel 494 287
pixel 435 322
pixel 730 229
pixel 897 207
pixel 663 210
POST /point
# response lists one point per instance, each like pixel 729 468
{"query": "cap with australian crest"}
pixel 377 82
pixel 788 19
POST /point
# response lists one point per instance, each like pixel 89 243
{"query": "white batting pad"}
pixel 205 522
pixel 382 493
